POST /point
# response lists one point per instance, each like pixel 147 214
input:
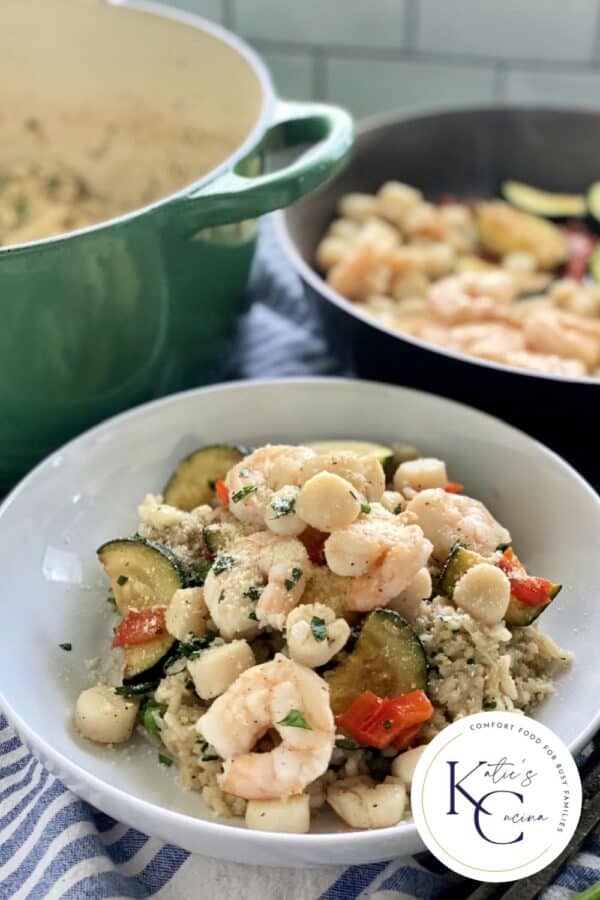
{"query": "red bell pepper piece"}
pixel 526 588
pixel 405 739
pixel 378 722
pixel 531 590
pixel 222 492
pixel 140 626
pixel 454 487
pixel 581 245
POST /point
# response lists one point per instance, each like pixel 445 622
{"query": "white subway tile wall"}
pixel 376 55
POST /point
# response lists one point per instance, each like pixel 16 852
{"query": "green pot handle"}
pixel 233 197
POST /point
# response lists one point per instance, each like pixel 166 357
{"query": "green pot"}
pixel 102 318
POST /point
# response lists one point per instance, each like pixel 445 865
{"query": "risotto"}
pixel 295 623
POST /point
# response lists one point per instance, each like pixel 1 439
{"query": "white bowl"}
pixel 52 590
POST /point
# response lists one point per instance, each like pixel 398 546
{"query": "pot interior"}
pixel 466 152
pixel 125 105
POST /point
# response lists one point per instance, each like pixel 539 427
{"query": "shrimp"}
pixel 472 296
pixel 253 481
pixel 382 554
pixel 564 334
pixel 365 473
pixel 541 362
pixel 487 339
pixel 447 518
pixel 263 486
pixel 257 582
pixel 274 694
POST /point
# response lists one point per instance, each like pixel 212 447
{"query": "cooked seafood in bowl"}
pixel 294 623
pixel 481 277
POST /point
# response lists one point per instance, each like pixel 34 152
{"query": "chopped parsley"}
pixel 318 628
pixel 387 724
pixel 398 509
pixel 344 743
pixel 66 646
pixel 122 579
pixel 489 703
pixel 365 508
pixel 295 719
pixel 193 648
pixel 254 592
pixel 243 492
pixel 165 760
pixel 148 711
pixel 252 615
pixel 283 506
pixel 130 691
pixel 223 564
pixel 202 568
pixel 296 576
pixel 471 661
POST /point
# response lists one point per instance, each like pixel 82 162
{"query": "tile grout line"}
pixel 399 54
pixel 319 74
pixel 411 30
pixel 499 86
pixel 228 10
pixel 595 61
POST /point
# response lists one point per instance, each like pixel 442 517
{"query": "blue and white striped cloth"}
pixel 53 845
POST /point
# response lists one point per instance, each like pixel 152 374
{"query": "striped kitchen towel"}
pixel 53 845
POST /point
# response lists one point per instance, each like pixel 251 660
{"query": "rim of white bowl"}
pixel 161 10
pixel 310 274
pixel 91 784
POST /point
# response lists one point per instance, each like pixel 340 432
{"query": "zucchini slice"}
pixel 593 201
pixel 142 574
pixel 219 536
pixel 521 614
pixel 384 454
pixel 193 481
pixel 461 558
pixel 594 263
pixel 388 659
pixel 547 204
pixel 138 662
pixel 504 228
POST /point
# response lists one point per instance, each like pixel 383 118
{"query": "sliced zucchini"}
pixel 142 573
pixel 193 481
pixel 593 201
pixel 459 560
pixel 404 453
pixel 504 229
pixel 594 263
pixel 139 662
pixel 547 204
pixel 522 614
pixel 384 454
pixel 388 659
pixel 218 536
